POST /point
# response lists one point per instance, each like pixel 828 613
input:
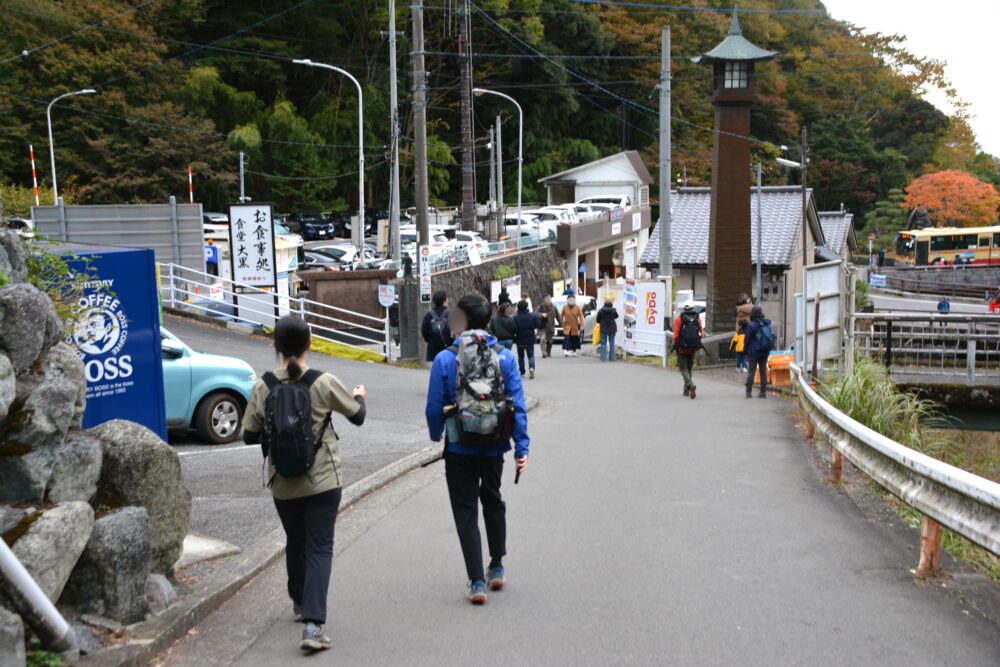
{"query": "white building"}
pixel 619 174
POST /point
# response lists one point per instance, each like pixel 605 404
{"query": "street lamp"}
pixel 520 148
pixel 357 233
pixel 52 148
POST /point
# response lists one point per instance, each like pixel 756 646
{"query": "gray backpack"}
pixel 484 415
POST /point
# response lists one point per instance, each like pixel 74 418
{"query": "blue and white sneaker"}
pixel 314 639
pixel 496 579
pixel 477 592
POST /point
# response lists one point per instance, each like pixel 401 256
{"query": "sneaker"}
pixel 749 394
pixel 496 578
pixel 531 374
pixel 297 612
pixel 687 391
pixel 565 353
pixel 313 638
pixel 477 592
pixel 694 392
pixel 763 394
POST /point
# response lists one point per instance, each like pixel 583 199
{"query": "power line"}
pixel 690 8
pixel 315 178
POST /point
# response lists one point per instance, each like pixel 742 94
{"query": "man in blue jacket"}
pixel 473 471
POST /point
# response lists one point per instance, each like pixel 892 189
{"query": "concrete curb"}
pixel 145 640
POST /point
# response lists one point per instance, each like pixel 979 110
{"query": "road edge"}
pixel 147 639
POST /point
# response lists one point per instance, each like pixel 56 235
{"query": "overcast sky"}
pixel 963 33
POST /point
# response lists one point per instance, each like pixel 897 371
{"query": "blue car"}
pixel 204 392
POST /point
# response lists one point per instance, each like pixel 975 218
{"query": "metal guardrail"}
pixel 943 494
pixel 202 293
pixel 937 348
pixel 459 257
pixel 922 285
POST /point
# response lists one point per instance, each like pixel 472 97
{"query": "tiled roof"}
pixel 836 229
pixel 737 47
pixel 782 218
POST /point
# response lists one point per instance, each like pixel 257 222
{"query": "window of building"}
pixel 736 75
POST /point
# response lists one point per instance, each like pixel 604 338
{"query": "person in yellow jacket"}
pixel 573 323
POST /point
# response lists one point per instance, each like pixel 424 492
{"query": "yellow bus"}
pixel 949 245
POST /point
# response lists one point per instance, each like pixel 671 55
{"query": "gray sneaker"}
pixel 313 638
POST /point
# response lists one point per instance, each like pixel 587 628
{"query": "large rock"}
pixel 160 593
pixel 8 388
pixel 48 400
pixel 53 543
pixel 77 469
pixel 140 469
pixel 12 256
pixel 28 324
pixel 110 577
pixel 11 640
pixel 14 521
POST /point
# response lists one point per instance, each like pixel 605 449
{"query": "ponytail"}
pixel 294 370
pixel 291 340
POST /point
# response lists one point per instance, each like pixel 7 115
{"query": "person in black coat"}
pixel 503 326
pixel 606 318
pixel 434 328
pixel 527 323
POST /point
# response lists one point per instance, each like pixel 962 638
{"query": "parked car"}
pixel 321 260
pixel 474 240
pixel 312 226
pixel 589 306
pixel 347 253
pixel 567 213
pixel 23 226
pixel 213 218
pixel 618 201
pixel 204 392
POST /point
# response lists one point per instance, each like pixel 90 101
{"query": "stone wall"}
pixel 988 276
pixel 534 266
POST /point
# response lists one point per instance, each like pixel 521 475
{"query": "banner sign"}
pixel 644 318
pixel 424 257
pixel 251 244
pixel 386 295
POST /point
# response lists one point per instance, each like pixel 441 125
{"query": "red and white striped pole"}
pixel 34 174
pixel 190 186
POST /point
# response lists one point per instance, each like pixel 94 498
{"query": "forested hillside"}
pixel 192 82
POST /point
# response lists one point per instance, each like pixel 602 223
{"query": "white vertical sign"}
pixel 251 244
pixel 424 257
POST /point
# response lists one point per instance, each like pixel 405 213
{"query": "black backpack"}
pixel 439 327
pixel 689 337
pixel 288 431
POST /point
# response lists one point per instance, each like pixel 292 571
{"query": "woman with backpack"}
pixel 480 426
pixel 434 328
pixel 303 466
pixel 503 326
pixel 758 344
pixel 527 323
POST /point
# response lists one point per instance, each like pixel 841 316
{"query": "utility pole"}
pixel 394 246
pixel 805 246
pixel 498 224
pixel 760 227
pixel 420 123
pixel 468 153
pixel 493 181
pixel 666 244
pixel 242 191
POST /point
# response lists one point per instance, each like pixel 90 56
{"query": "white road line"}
pixel 236 448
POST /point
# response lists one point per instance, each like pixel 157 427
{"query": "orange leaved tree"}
pixel 954 198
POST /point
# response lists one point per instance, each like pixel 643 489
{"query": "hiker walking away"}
pixel 504 297
pixel 394 320
pixel 289 415
pixel 527 323
pixel 434 328
pixel 881 257
pixel 573 324
pixel 687 341
pixel 503 327
pixel 606 317
pixel 476 400
pixel 550 319
pixel 758 345
pixel 744 306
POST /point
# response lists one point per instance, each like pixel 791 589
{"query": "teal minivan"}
pixel 204 392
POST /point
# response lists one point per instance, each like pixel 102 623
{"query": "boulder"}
pixel 110 577
pixel 28 324
pixel 14 521
pixel 53 543
pixel 8 387
pixel 77 469
pixel 140 469
pixel 160 593
pixel 88 639
pixel 11 640
pixel 48 400
pixel 12 256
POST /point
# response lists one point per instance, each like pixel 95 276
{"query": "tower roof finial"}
pixel 734 27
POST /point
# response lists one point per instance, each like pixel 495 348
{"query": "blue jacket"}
pixel 441 392
pixel 751 346
pixel 527 322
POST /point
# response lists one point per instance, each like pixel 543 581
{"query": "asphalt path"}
pixel 229 501
pixel 649 529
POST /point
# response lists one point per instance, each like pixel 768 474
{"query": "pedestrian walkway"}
pixel 649 529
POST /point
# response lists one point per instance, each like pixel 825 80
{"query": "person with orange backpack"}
pixel 687 341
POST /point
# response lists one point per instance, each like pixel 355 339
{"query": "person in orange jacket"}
pixel 687 341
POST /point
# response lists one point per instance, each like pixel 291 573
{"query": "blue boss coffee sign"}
pixel 117 335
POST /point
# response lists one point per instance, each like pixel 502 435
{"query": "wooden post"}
pixel 930 548
pixel 836 464
pixel 810 429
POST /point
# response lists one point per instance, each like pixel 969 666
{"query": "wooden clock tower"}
pixel 730 268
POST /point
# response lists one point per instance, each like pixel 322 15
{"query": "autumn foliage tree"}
pixel 954 198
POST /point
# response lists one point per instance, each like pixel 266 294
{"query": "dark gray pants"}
pixel 471 480
pixel 308 524
pixel 685 363
pixel 755 363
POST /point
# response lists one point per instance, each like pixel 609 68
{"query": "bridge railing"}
pixel 943 494
pixel 958 349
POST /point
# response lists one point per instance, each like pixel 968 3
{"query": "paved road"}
pixel 896 304
pixel 649 530
pixel 229 501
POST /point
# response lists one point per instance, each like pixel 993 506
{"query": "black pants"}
pixel 472 479
pixel 753 364
pixel 308 524
pixel 525 350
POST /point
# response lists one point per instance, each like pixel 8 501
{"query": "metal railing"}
pixel 917 284
pixel 943 494
pixel 930 347
pixel 187 289
pixel 459 256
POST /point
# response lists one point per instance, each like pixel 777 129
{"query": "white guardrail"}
pixel 201 293
pixel 943 494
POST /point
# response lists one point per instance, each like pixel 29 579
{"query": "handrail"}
pixel 964 502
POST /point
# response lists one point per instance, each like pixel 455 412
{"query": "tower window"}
pixel 736 75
